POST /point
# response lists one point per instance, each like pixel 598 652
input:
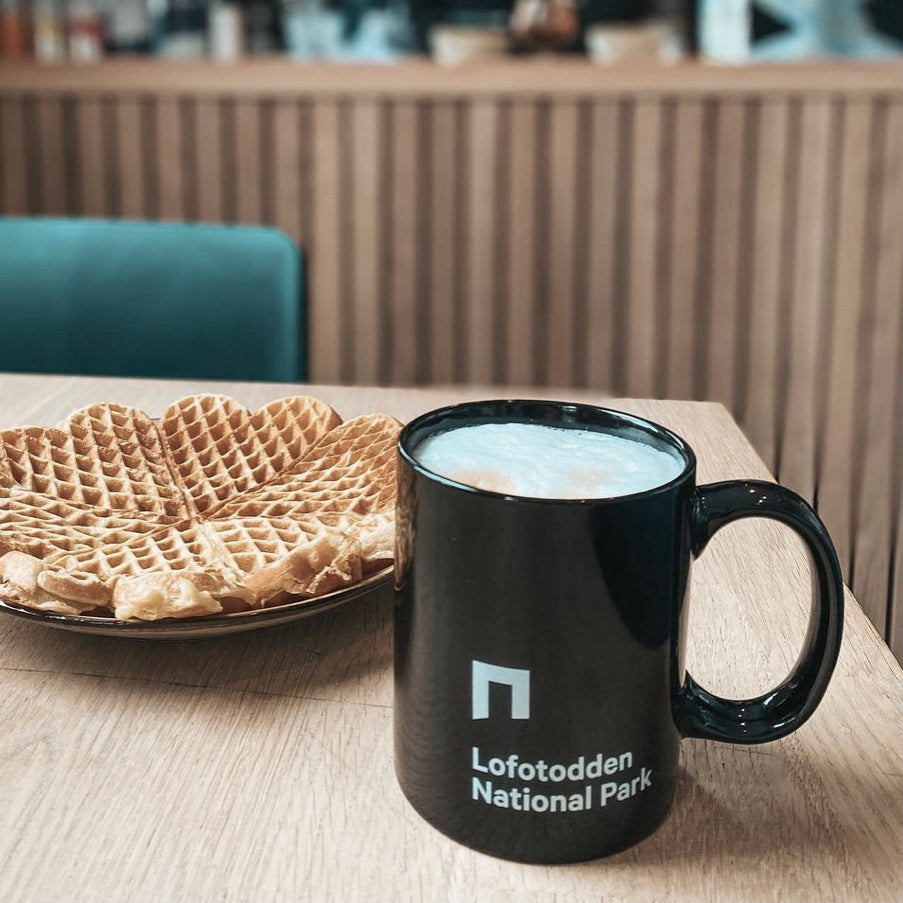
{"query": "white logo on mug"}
pixel 518 679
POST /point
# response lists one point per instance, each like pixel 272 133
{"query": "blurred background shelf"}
pixel 279 75
pixel 688 231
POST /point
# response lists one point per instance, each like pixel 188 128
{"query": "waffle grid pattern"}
pixel 219 450
pixel 335 475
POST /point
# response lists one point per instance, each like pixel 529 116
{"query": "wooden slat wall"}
pixel 745 247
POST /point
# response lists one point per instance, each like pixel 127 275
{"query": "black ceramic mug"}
pixel 540 689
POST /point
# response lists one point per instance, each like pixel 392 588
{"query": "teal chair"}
pixel 122 298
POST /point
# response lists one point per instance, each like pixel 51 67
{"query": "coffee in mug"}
pixel 540 687
pixel 540 461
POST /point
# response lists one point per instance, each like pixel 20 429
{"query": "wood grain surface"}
pixel 260 766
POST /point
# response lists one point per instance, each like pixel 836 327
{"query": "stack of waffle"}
pixel 210 509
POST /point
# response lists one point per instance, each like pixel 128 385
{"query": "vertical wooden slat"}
pixel 305 173
pixel 683 330
pixel 481 301
pixel 130 153
pixel 209 167
pixel 403 255
pixel 723 314
pixel 443 270
pixel 326 329
pixel 767 248
pixel 368 339
pixel 169 150
pixel 600 339
pixel 804 369
pixel 91 157
pixel 836 437
pixel 287 198
pixel 51 159
pixel 248 189
pixel 287 175
pixel 14 175
pixel 521 326
pixel 561 321
pixel 642 332
pixel 876 502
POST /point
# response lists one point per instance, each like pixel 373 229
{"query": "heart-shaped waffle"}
pixel 212 509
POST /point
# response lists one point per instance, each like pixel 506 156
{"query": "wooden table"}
pixel 259 767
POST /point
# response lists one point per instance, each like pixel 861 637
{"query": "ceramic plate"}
pixel 209 625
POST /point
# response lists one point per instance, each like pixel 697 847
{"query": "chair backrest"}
pixel 123 298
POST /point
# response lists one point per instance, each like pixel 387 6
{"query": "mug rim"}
pixel 650 427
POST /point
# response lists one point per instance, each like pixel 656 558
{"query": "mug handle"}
pixel 782 710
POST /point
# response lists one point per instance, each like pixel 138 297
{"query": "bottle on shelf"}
pixel 225 31
pixel 724 30
pixel 14 38
pixel 48 31
pixel 85 31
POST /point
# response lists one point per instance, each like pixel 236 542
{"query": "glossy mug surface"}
pixel 540 689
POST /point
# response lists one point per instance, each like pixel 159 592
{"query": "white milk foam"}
pixel 539 461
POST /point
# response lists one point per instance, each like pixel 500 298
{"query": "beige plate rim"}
pixel 207 626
